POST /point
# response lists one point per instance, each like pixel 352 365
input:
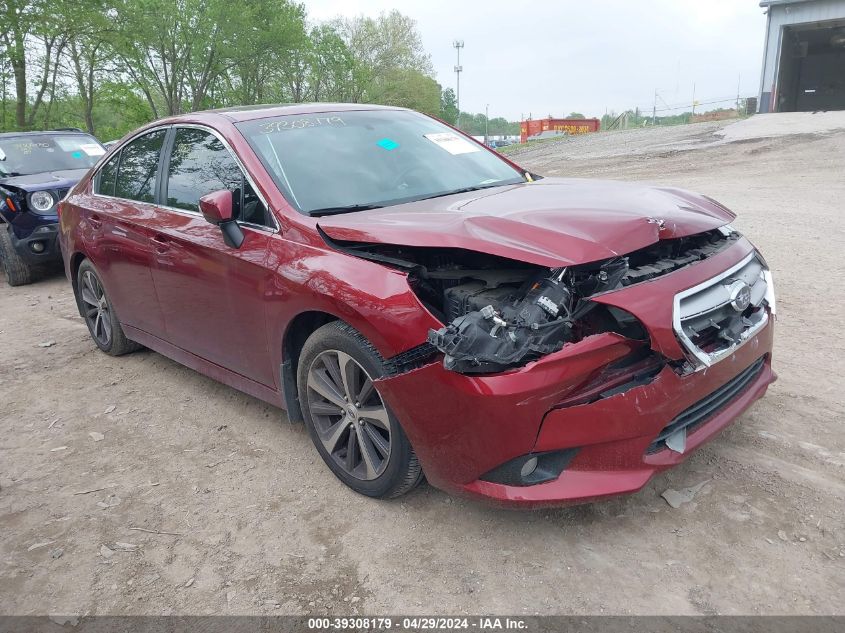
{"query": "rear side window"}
pixel 136 178
pixel 107 177
pixel 200 164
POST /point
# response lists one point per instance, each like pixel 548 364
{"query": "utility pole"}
pixel 654 110
pixel 738 88
pixel 458 45
pixel 693 100
pixel 486 124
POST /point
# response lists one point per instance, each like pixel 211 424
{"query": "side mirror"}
pixel 216 208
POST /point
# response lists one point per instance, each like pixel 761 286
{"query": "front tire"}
pixel 355 433
pixel 18 272
pixel 99 314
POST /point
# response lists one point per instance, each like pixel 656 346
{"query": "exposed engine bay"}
pixel 493 328
pixel 501 314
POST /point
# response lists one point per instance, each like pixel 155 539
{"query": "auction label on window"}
pixel 452 143
pixel 92 149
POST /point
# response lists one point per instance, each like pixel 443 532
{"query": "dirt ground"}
pixel 237 514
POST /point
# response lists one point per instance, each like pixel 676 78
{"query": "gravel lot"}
pixel 237 514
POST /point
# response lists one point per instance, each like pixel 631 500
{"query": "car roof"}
pixel 238 114
pixel 42 133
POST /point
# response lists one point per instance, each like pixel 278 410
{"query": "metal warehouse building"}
pixel 804 60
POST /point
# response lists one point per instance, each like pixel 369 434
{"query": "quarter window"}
pixel 136 178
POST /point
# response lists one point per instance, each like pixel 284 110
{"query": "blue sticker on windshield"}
pixel 77 154
pixel 388 144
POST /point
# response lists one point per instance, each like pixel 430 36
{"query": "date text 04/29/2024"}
pixel 417 623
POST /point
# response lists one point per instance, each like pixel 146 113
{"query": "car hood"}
pixel 551 222
pixel 63 179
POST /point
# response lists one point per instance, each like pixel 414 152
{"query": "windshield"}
pixel 348 161
pixel 37 153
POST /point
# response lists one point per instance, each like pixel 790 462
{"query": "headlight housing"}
pixel 41 202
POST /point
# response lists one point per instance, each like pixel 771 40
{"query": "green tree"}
pixel 119 109
pixel 174 50
pixel 33 38
pixel 270 54
pixel 112 65
pixel 88 52
pixel 407 88
pixel 378 48
pixel 331 65
pixel 449 106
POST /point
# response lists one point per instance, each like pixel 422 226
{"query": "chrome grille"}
pixel 716 317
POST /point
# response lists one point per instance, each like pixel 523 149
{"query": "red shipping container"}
pixel 570 126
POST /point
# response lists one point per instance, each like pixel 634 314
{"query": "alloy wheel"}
pixel 96 308
pixel 349 415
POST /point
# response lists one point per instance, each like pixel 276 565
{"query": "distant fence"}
pixel 716 115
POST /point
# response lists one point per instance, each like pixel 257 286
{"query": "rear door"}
pixel 118 230
pixel 212 296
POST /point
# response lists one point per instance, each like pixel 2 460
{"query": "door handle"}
pixel 96 221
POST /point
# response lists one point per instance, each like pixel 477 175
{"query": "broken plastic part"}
pixel 536 320
pixel 677 441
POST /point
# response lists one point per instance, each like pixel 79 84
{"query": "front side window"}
pixel 199 164
pixel 136 176
pixel 38 153
pixel 104 183
pixel 337 162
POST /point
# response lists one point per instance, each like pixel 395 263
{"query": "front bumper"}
pixel 462 427
pixel 40 246
pixel 614 437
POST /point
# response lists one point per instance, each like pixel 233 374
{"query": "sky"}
pixel 561 56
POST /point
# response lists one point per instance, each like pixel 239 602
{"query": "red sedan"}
pixel 427 307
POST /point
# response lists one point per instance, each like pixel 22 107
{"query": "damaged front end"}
pixel 495 324
pixel 501 314
pixel 495 328
pixel 567 384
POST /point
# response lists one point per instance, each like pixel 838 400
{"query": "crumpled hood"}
pixel 63 179
pixel 552 222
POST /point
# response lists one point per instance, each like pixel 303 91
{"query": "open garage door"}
pixel 811 72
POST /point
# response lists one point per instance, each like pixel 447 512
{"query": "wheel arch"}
pixel 297 332
pixel 75 262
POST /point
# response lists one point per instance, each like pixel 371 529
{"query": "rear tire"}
pixel 354 431
pixel 18 272
pixel 99 314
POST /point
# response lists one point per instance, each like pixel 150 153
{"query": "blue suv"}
pixel 37 169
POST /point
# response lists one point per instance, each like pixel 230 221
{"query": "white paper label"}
pixel 452 143
pixel 92 149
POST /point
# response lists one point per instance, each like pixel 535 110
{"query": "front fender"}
pixel 374 299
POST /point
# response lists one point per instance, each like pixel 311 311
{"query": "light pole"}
pixel 458 45
pixel 487 124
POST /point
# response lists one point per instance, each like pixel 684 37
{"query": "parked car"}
pixel 37 169
pixel 421 302
pixel 497 143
